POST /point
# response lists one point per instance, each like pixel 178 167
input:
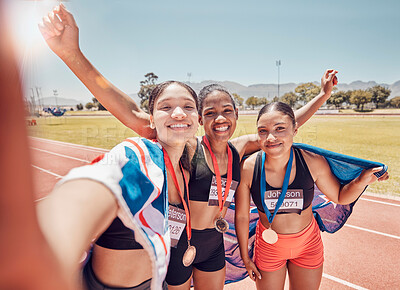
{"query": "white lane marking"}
pixel 372 231
pixel 47 171
pixel 378 201
pixel 338 280
pixel 61 155
pixel 84 147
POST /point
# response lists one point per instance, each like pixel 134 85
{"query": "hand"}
pixel 328 81
pixel 368 177
pixel 252 270
pixel 60 31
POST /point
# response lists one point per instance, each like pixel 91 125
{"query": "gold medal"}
pixel 189 256
pixel 221 225
pixel 270 236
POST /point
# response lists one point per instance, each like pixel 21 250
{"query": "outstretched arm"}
pixel 330 186
pixel 61 33
pixel 72 216
pixel 328 81
pixel 248 144
pixel 27 261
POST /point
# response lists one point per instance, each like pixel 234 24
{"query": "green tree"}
pixel 360 98
pixel 395 102
pixel 98 105
pixel 79 107
pixel 275 99
pixel 146 87
pixel 290 98
pixel 307 91
pixel 89 105
pixel 252 102
pixel 339 98
pixel 379 95
pixel 262 101
pixel 238 100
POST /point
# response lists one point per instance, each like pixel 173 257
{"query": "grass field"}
pixel 370 137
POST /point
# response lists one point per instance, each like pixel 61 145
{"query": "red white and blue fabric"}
pixel 135 172
pixel 329 216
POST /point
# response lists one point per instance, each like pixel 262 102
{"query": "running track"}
pixel 364 254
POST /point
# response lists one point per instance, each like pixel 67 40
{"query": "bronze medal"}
pixel 270 236
pixel 221 225
pixel 189 256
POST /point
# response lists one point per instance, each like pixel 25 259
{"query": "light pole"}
pixel 278 64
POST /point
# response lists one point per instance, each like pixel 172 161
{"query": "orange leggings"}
pixel 305 249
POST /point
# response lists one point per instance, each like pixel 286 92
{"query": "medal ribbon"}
pixel 263 186
pixel 171 170
pixel 218 175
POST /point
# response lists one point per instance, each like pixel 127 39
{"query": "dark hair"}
pixel 159 89
pixel 208 90
pixel 155 93
pixel 280 107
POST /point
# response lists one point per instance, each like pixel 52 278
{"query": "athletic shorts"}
pixel 210 255
pixel 90 281
pixel 304 249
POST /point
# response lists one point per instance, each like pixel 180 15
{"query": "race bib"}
pixel 176 224
pixel 293 201
pixel 213 195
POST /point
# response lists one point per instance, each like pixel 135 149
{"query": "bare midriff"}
pixel 289 223
pixel 203 215
pixel 121 268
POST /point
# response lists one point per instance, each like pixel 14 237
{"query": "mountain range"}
pixel 259 90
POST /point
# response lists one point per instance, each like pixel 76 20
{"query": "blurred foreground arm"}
pixel 27 261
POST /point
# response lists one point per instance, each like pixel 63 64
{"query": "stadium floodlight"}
pixel 278 64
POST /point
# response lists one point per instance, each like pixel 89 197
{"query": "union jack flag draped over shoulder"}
pixel 135 172
pixel 329 216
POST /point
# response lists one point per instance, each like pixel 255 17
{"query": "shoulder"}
pixel 191 146
pixel 249 163
pixel 315 162
pixel 234 150
pixel 247 170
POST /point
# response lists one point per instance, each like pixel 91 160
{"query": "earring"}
pixel 152 125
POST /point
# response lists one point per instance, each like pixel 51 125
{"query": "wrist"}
pixel 69 55
pixel 324 94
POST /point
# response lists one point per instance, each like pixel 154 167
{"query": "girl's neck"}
pixel 218 148
pixel 277 163
pixel 174 153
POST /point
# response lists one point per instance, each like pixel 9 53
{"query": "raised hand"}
pixel 328 81
pixel 60 31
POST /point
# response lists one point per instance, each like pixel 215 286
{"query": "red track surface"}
pixel 363 254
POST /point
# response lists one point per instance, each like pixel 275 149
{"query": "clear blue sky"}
pixel 219 40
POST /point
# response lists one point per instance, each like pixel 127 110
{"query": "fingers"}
pixel 335 80
pixel 370 177
pixel 56 21
pixel 49 26
pixel 253 272
pixel 47 34
pixel 376 169
pixel 65 15
pixel 384 177
pixel 257 273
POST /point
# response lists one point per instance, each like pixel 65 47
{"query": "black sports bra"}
pixel 119 237
pixel 303 181
pixel 201 175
